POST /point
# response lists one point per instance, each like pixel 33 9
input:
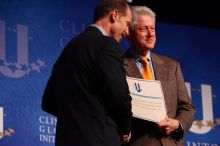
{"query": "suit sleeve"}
pixel 112 74
pixel 185 109
pixel 49 100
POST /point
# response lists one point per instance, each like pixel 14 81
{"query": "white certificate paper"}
pixel 147 99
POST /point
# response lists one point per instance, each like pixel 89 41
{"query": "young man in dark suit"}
pixel 180 111
pixel 87 90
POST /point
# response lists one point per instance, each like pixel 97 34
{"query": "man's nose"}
pixel 149 32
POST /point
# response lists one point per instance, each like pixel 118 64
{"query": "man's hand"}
pixel 126 138
pixel 168 125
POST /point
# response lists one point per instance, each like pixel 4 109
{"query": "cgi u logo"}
pixel 1 121
pixel 22 66
pixel 207 109
pixel 5 133
pixel 137 87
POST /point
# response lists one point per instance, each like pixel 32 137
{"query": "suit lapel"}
pixel 160 70
pixel 130 67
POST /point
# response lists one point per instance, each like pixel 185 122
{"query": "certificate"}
pixel 147 99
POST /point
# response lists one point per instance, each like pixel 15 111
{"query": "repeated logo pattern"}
pixel 22 67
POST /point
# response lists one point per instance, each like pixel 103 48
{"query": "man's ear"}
pixel 113 16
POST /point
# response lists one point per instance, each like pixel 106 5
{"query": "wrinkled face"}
pixel 142 36
pixel 119 28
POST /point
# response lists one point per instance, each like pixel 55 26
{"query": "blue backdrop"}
pixel 32 35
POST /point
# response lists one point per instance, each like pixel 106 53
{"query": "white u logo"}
pixel 22 66
pixel 1 121
pixel 22 51
pixel 207 109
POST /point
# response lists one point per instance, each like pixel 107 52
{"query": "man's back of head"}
pixel 106 6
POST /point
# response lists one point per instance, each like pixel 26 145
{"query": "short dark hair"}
pixel 106 6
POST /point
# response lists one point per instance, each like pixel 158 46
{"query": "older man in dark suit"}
pixel 87 89
pixel 170 131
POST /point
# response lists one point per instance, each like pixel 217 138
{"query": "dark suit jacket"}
pixel 177 101
pixel 88 92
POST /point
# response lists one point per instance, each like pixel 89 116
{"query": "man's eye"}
pixel 143 29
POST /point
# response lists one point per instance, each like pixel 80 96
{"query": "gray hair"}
pixel 141 10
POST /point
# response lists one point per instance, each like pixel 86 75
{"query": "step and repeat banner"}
pixel 32 35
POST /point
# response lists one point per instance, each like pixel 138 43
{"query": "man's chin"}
pixel 149 47
pixel 118 39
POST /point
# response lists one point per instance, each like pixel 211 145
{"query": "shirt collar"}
pixel 100 28
pixel 136 56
